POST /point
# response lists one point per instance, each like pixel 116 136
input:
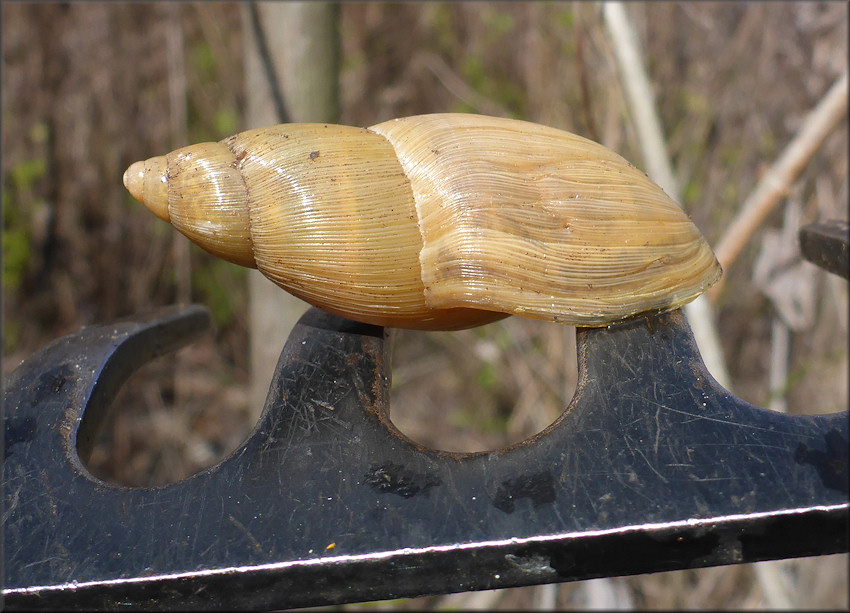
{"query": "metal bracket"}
pixel 827 244
pixel 652 467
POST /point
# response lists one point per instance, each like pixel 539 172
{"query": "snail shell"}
pixel 438 222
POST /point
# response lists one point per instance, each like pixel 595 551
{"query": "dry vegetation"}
pixel 89 88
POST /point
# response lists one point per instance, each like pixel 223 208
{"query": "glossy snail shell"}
pixel 439 221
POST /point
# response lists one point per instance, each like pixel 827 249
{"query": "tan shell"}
pixel 436 221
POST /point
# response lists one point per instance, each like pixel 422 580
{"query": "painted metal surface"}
pixel 652 467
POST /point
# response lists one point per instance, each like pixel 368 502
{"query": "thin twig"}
pixel 268 63
pixel 775 183
pixel 175 46
pixel 780 341
pixel 457 86
pixel 641 99
pixel 178 114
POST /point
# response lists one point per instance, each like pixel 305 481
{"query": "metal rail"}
pixel 652 467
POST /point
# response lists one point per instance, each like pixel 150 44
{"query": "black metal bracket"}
pixel 652 467
pixel 827 244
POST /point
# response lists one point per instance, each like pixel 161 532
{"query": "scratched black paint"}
pixel 831 464
pixel 392 478
pixel 17 431
pixel 652 467
pixel 538 487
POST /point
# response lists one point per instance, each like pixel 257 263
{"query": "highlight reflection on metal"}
pixel 652 467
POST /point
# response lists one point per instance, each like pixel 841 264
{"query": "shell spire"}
pixel 147 182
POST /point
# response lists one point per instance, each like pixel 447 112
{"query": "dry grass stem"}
pixel 640 97
pixel 775 183
pixel 457 86
pixel 657 159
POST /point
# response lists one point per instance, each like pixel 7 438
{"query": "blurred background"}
pixel 88 88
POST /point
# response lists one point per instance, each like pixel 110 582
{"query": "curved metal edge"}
pixel 71 381
pixel 156 334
